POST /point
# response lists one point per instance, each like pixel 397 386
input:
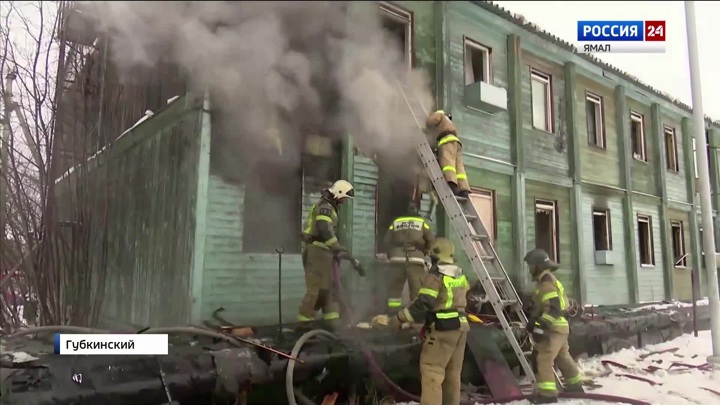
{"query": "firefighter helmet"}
pixel 342 189
pixel 538 260
pixel 443 250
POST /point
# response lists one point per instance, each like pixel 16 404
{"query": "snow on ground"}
pixel 675 384
pixel 660 306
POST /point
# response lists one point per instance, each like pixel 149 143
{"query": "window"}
pixel 695 157
pixel 546 228
pixel 645 240
pixel 272 217
pixel 595 120
pixel 602 234
pixel 393 193
pixel 273 210
pixel 484 203
pixel 671 149
pixel 678 244
pixel 542 111
pixel 478 65
pixel 398 26
pixel 637 134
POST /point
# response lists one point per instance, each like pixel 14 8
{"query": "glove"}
pixel 342 255
pixel 358 267
pixel 538 335
pixel 423 332
pixel 380 321
pixel 395 323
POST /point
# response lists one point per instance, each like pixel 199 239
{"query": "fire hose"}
pixel 404 395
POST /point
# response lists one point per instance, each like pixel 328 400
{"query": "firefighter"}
pixel 320 248
pixel 449 151
pixel 407 242
pixel 441 305
pixel 550 330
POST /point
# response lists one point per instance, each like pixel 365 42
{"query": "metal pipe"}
pixel 704 182
pixel 280 250
pixel 693 285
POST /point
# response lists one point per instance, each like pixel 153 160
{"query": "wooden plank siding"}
pixel 643 172
pixel 599 166
pixel 152 181
pixel 499 184
pixel 606 284
pixel 482 134
pixel 651 278
pixel 561 196
pixel 682 282
pixel 676 182
pixel 545 152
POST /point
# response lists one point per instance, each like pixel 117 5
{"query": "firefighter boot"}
pixel 541 399
pixel 454 188
pixel 576 388
pixel 464 193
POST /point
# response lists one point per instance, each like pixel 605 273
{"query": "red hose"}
pixel 406 396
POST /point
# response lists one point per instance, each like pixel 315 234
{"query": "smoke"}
pixel 300 67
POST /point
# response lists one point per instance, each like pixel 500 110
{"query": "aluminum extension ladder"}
pixel 499 290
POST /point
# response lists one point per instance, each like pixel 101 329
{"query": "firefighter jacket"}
pixel 408 235
pixel 441 300
pixel 441 124
pixel 550 304
pixel 321 224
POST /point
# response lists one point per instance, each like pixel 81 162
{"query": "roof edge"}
pixel 535 29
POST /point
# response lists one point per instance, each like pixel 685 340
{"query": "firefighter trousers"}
pixel 398 273
pixel 441 361
pixel 318 264
pixel 450 159
pixel 554 350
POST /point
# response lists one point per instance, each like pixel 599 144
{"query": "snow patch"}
pixel 674 384
pixel 147 116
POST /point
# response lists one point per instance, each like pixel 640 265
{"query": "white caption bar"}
pixel 112 344
pixel 620 47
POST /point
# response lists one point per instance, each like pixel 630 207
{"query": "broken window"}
pixel 397 24
pixel 477 62
pixel 541 95
pixel 678 244
pixel 671 149
pixel 637 134
pixel 595 120
pixel 270 218
pixel 394 192
pixel 645 240
pixel 546 228
pixel 602 232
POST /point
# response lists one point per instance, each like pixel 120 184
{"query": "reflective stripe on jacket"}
pixel 408 239
pixel 319 212
pixel 550 303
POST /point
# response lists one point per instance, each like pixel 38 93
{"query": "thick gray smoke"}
pixel 301 67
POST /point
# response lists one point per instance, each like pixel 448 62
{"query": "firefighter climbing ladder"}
pixel 499 290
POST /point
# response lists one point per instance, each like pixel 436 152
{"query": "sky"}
pixel 668 72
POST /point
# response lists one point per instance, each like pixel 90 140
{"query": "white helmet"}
pixel 342 189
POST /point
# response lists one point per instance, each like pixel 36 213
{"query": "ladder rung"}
pixel 470 217
pixel 460 199
pixel 479 237
pixel 487 258
pixel 508 302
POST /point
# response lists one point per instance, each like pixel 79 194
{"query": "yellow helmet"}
pixel 443 250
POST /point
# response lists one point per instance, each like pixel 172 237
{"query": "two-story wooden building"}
pixel 563 152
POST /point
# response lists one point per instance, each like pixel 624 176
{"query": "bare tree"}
pixel 51 257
